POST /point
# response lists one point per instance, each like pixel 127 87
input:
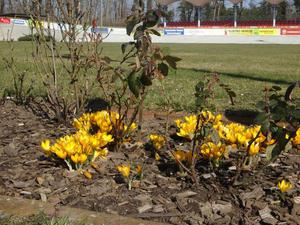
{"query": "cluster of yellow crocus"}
pixel 240 136
pixel 232 134
pixel 158 141
pixel 212 151
pixel 94 133
pixel 79 148
pixel 103 121
pixel 187 127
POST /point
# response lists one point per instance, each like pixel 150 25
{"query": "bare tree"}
pixel 48 7
pixel 149 4
pixel 2 6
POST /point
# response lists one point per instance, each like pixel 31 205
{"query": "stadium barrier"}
pixel 290 31
pixel 293 30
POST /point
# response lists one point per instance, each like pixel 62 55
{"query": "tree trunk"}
pixel 48 9
pixel 2 6
pixel 149 4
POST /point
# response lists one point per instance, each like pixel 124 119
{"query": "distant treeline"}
pixel 114 12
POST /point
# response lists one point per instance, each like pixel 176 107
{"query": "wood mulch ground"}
pixel 163 195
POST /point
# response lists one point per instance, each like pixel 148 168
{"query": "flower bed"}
pixel 163 194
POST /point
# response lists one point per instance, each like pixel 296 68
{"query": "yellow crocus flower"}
pixel 107 138
pixel 231 137
pixel 254 148
pixel 177 122
pixel 70 147
pixel 87 174
pixel 46 145
pixel 180 155
pixel 83 123
pixel 100 153
pixel 75 158
pixel 94 142
pixel 271 142
pixel 157 156
pixel 139 170
pixel 284 186
pixel 61 153
pixel 104 139
pixel 187 128
pixel 131 128
pixel 124 170
pixel 218 118
pixel 83 139
pixel 158 141
pixel 242 139
pixel 296 140
pixel 82 158
pixel 287 136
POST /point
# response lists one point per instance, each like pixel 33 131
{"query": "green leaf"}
pixel 200 101
pixel 296 114
pixel 145 80
pixel 123 47
pixel 273 151
pixel 273 102
pixel 276 88
pixel 260 104
pixel 215 136
pixel 134 84
pixel 172 61
pixel 231 93
pixel 155 32
pixel 261 118
pixel 130 25
pixel 290 89
pixel 199 87
pixel 163 68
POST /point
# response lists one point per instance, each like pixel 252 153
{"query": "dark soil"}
pixel 163 194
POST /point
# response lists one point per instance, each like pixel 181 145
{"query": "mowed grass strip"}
pixel 247 69
pixel 39 219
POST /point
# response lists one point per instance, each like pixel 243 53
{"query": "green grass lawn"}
pixel 39 219
pixel 247 69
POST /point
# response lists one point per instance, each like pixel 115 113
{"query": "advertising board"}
pixel 174 31
pixel 19 22
pixel 101 30
pixel 267 31
pixel 204 32
pixel 4 20
pixel 290 31
pixel 253 32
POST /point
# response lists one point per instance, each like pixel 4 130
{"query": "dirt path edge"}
pixel 14 206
